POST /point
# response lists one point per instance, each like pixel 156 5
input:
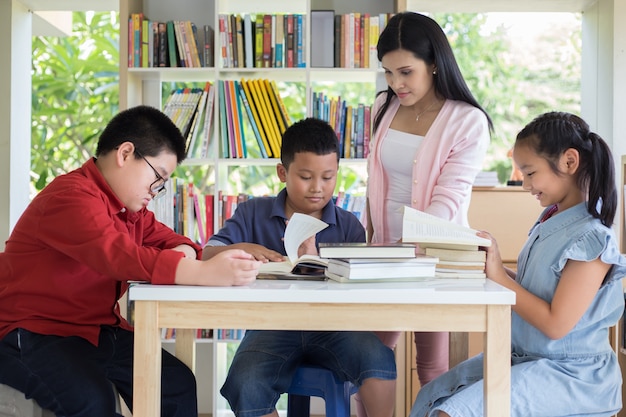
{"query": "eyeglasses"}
pixel 157 187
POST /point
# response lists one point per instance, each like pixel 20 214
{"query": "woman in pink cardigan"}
pixel 430 137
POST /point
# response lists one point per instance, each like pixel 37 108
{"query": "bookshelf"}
pixel 145 85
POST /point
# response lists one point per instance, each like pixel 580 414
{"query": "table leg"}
pixel 497 363
pixel 186 347
pixel 147 361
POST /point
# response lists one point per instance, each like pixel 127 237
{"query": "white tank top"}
pixel 397 154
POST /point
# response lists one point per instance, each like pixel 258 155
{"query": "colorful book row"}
pixel 259 102
pixel 175 43
pixel 352 124
pixel 262 40
pixel 198 216
pixel 354 204
pixel 346 40
pixel 191 109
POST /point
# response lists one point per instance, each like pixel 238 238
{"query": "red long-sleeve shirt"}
pixel 70 255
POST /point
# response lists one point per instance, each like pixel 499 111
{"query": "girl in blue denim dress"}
pixel 568 286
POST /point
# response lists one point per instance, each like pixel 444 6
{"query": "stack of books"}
pixel 458 263
pixel 375 262
pixel 458 248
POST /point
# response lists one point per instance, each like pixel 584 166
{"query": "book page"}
pixel 299 228
pixel 418 226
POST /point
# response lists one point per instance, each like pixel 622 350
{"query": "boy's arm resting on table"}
pixel 188 250
pixel 229 267
pixel 259 252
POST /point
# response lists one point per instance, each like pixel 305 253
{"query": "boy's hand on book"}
pixel 232 267
pixel 260 252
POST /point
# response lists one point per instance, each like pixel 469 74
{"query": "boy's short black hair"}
pixel 149 129
pixel 308 135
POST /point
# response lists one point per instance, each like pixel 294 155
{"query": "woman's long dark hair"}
pixel 422 36
pixel 551 134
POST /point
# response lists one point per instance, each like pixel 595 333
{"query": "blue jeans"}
pixel 72 378
pixel 266 362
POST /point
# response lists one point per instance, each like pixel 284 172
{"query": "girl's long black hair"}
pixel 551 134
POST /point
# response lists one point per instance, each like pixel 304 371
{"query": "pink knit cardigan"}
pixel 445 164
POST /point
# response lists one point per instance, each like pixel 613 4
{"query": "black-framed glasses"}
pixel 158 186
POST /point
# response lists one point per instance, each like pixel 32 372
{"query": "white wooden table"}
pixel 437 305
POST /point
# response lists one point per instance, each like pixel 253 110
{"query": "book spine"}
pixel 208 46
pixel 237 125
pixel 223 41
pixel 208 121
pixel 171 44
pixel 240 44
pixel 365 40
pixel 131 43
pixel 195 44
pixel 367 128
pixel 137 18
pixel 281 104
pixel 223 121
pixel 248 37
pixel 300 30
pixel 280 42
pixel 209 210
pixel 290 41
pixel 374 33
pixel 258 52
pixel 267 41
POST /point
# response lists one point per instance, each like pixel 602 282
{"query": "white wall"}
pixel 15 111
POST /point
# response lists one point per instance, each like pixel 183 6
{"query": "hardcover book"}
pixel 434 232
pixel 421 266
pixel 367 250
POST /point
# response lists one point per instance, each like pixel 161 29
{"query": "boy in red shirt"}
pixel 69 259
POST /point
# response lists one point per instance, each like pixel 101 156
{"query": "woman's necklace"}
pixel 417 116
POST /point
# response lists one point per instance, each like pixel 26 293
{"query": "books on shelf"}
pixel 366 250
pixel 421 266
pixel 300 227
pixel 261 40
pixel 174 43
pixel 191 110
pixel 433 232
pixel 252 118
pixel 352 123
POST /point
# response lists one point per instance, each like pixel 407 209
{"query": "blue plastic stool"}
pixel 314 381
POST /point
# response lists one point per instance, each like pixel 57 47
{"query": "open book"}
pixel 434 232
pixel 299 228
